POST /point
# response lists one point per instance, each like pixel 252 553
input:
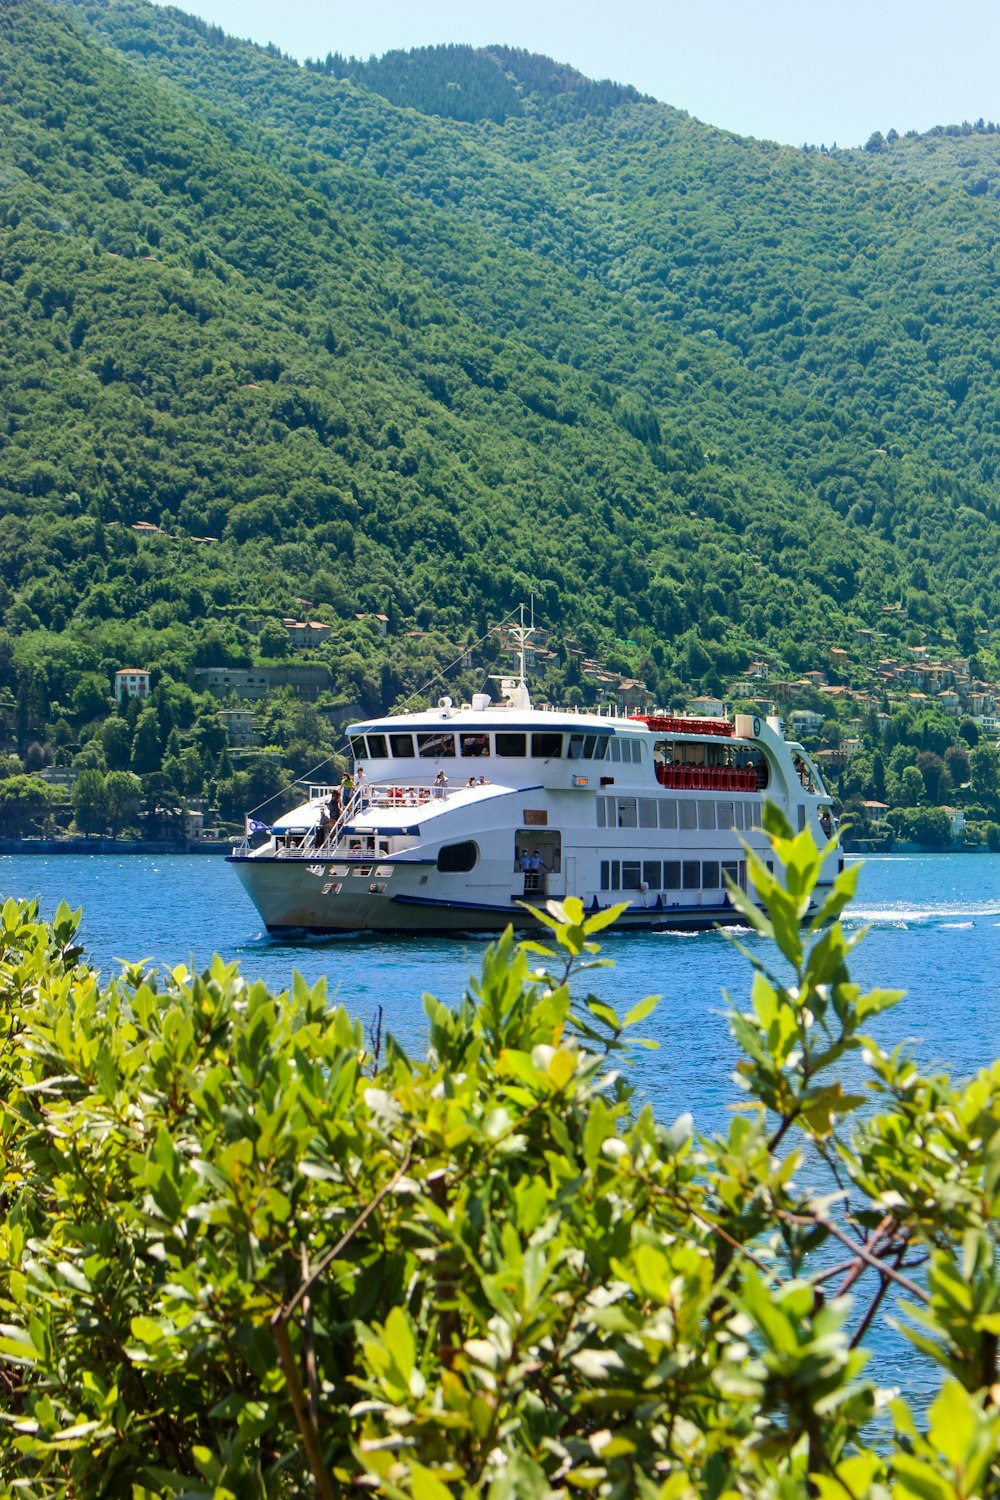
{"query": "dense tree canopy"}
pixel 700 396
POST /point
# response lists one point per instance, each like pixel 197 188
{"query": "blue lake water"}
pixel 934 931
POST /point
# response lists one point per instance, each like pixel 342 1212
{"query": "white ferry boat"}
pixel 468 813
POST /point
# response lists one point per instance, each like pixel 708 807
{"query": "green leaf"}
pixel 953 1418
pixel 642 1010
pixel 147 1330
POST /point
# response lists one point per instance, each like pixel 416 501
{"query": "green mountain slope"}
pixel 860 281
pixel 703 393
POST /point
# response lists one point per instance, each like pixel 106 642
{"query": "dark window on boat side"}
pixel 401 745
pixel 511 744
pixel 358 747
pixel 710 876
pixel 546 746
pixel 631 874
pixel 672 875
pixel 691 875
pixel 474 744
pixel 377 748
pixel 435 746
pixel 587 747
pixel 456 859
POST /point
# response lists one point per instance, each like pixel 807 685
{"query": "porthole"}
pixel 456 859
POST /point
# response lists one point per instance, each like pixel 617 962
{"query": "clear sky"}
pixel 788 70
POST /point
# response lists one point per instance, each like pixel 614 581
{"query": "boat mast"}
pixel 516 691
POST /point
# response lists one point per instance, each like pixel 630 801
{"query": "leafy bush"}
pixel 244 1254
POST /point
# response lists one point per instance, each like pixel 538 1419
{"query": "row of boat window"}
pixel 671 874
pixel 674 812
pixel 512 744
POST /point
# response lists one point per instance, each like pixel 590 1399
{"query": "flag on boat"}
pixel 254 825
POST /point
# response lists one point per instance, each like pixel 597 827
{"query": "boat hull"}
pixel 295 898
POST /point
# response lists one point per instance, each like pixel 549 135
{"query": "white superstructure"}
pixel 472 810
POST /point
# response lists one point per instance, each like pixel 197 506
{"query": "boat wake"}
pixel 959 917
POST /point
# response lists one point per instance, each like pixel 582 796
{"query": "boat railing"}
pixel 408 795
pixel 708 778
pixel 324 838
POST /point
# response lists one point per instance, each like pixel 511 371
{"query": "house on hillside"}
pixel 631 695
pixel 805 721
pixel 957 819
pixel 239 727
pixel 253 683
pixel 306 633
pixel 382 621
pixel 131 682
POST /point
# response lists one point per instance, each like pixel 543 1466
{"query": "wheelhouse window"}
pixel 511 744
pixel 435 746
pixel 546 746
pixel 587 746
pixel 474 744
pixel 377 747
pixel 401 746
pixel 358 747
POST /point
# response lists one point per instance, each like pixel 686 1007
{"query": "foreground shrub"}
pixel 244 1254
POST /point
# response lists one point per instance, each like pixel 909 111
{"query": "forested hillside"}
pixel 425 336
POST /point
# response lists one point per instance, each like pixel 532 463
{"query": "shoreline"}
pixel 854 847
pixel 117 846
